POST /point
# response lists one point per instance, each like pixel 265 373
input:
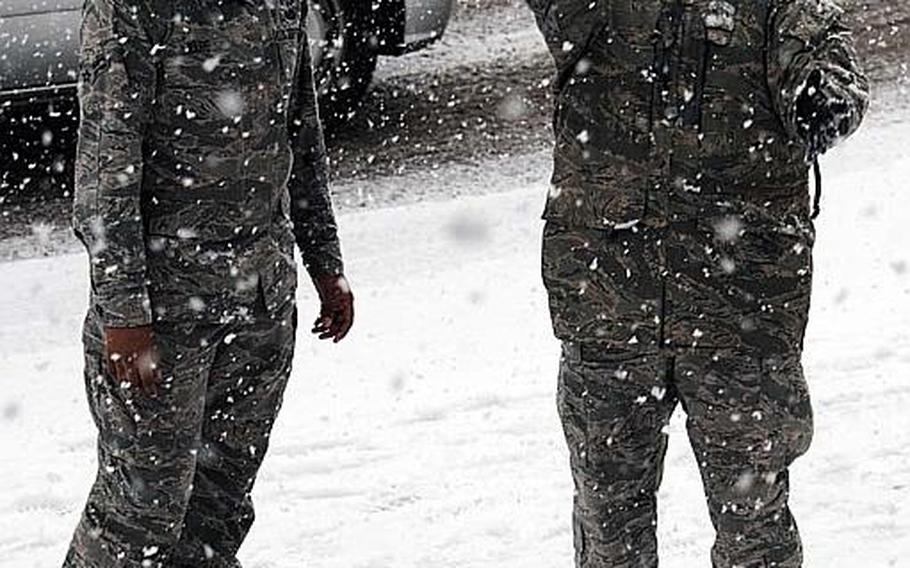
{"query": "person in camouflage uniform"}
pixel 677 254
pixel 200 162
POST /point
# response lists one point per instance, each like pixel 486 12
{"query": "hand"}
pixel 132 356
pixel 337 314
pixel 821 121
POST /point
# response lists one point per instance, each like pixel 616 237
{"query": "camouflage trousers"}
pixel 676 314
pixel 175 470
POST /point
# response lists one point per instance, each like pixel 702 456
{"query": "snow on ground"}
pixel 430 437
pixel 474 37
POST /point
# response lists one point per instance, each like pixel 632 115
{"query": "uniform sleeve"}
pixel 312 216
pixel 116 91
pixel 568 28
pixel 820 91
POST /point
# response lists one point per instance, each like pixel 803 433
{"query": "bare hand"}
pixel 132 356
pixel 337 314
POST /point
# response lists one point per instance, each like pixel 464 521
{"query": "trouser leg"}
pixel 146 454
pixel 749 418
pixel 614 410
pixel 245 389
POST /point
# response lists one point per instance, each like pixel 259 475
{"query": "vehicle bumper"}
pixel 31 97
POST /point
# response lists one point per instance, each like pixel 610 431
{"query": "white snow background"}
pixel 430 437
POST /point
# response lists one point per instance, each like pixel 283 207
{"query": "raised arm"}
pixel 312 216
pixel 116 92
pixel 820 91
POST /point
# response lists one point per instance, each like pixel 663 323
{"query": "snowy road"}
pixel 430 438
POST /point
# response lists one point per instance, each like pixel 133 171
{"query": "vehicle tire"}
pixel 344 58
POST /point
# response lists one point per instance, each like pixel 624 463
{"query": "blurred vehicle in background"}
pixel 39 53
pixel 346 36
pixel 39 44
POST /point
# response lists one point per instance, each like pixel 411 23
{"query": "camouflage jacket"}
pixel 200 160
pixel 701 99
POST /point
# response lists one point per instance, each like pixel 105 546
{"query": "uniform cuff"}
pixel 324 261
pixel 125 310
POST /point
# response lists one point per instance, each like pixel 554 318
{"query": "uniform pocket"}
pixel 743 148
pixel 193 279
pixel 751 273
pixel 602 285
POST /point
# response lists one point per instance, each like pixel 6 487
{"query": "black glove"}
pixel 820 121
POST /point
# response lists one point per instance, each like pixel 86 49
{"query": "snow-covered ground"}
pixel 430 437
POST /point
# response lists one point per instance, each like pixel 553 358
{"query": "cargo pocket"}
pixel 770 275
pixel 193 279
pixel 602 286
pixel 602 160
pixel 743 148
pixel 757 277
